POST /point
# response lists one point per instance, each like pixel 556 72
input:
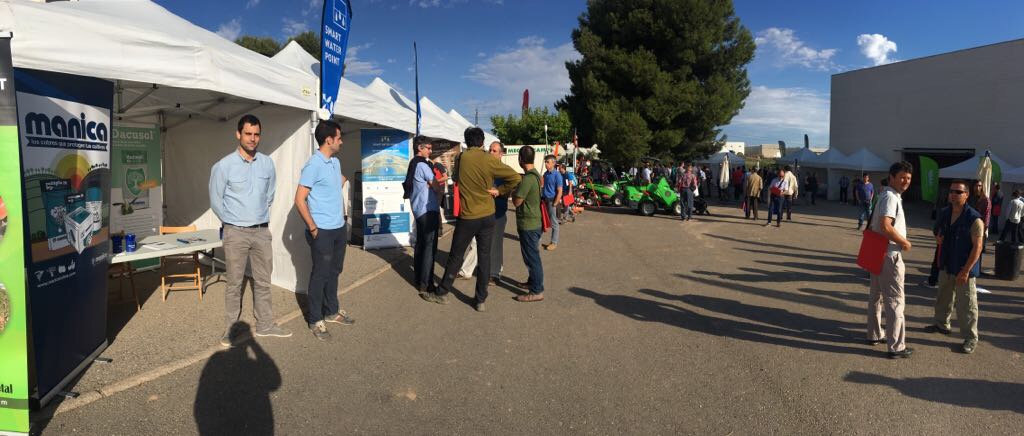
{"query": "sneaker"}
pixel 274 331
pixel 968 346
pixel 479 306
pixel 874 341
pixel 902 354
pixel 462 277
pixel 529 298
pixel 937 329
pixel 928 285
pixel 551 247
pixel 340 318
pixel 434 297
pixel 320 331
pixel 225 340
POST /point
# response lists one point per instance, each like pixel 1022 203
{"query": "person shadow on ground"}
pixel 234 389
pixel 980 394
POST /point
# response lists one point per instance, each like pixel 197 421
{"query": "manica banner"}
pixel 929 179
pixel 14 383
pixel 64 127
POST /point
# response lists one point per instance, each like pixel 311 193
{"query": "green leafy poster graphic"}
pixel 14 388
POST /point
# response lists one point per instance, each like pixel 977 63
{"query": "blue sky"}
pixel 481 54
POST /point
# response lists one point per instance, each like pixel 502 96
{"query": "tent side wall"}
pixel 190 150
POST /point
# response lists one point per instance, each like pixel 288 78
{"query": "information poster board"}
pixel 387 220
pixel 14 382
pixel 64 126
pixel 136 184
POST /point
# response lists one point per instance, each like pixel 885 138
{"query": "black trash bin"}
pixel 1008 260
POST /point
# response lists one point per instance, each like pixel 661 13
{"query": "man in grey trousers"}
pixel 242 187
pixel 886 298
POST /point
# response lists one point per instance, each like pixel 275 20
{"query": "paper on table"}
pixel 156 245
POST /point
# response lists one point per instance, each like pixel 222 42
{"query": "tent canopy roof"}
pixel 831 158
pixel 864 160
pixel 717 158
pixel 295 56
pixel 802 155
pixel 139 41
pixel 968 169
pixel 488 137
pixel 1015 175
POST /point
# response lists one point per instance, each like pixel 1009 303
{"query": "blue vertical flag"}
pixel 416 65
pixel 335 24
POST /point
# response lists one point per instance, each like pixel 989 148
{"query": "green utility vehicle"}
pixel 650 198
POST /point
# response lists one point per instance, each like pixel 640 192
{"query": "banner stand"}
pixel 387 217
pixel 38 402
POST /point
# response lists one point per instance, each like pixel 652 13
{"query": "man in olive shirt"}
pixel 528 224
pixel 475 172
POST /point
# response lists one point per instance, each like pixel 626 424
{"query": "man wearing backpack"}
pixel 423 196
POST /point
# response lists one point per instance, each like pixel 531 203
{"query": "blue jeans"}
pixel 529 244
pixel 427 227
pixel 328 253
pixel 553 214
pixel 776 207
pixel 686 196
pixel 865 212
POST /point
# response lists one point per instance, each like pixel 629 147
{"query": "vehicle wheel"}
pixel 677 208
pixel 589 201
pixel 617 200
pixel 647 208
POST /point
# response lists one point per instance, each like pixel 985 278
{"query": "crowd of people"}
pixel 243 184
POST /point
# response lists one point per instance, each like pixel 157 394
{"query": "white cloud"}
pixel 425 3
pixel 530 65
pixel 252 4
pixel 771 114
pixel 358 67
pixel 790 50
pixel 231 29
pixel 292 27
pixel 391 60
pixel 876 47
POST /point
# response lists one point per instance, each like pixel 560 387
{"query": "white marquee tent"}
pixel 1015 175
pixel 436 124
pixel 864 160
pixel 488 137
pixel 968 169
pixel 717 158
pixel 192 83
pixel 802 155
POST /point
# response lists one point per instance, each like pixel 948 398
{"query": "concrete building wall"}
pixel 735 147
pixel 970 100
pixel 770 151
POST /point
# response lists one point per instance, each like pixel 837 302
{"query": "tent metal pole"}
pixel 122 108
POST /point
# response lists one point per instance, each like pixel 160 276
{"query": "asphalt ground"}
pixel 650 325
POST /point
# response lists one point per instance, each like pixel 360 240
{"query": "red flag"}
pixel 526 100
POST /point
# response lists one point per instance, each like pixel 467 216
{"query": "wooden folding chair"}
pixel 195 279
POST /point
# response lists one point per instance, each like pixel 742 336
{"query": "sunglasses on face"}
pixel 957 192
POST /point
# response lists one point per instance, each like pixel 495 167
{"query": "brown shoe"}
pixel 529 298
pixel 551 247
pixel 494 281
pixel 521 285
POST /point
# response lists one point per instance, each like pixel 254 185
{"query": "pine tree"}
pixel 265 46
pixel 657 77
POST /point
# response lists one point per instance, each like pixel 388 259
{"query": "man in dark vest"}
pixel 961 233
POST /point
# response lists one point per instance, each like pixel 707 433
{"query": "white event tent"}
pixel 802 155
pixel 488 137
pixel 435 124
pixel 717 158
pixel 830 161
pixel 190 82
pixel 968 169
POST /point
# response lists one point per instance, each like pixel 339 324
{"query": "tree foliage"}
pixel 528 128
pixel 309 41
pixel 263 45
pixel 657 77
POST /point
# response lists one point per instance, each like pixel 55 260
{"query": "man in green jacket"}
pixel 475 172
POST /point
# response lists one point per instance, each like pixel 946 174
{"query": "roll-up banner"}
pixel 387 220
pixel 137 203
pixel 14 381
pixel 65 130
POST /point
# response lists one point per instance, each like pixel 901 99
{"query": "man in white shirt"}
pixel 1012 227
pixel 777 191
pixel 791 193
pixel 886 295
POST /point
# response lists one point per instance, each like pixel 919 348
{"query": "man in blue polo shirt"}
pixel 321 204
pixel 242 186
pixel 551 194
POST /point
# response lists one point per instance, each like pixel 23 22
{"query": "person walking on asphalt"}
pixel 242 187
pixel 791 193
pixel 528 225
pixel 321 204
pixel 686 185
pixel 551 193
pixel 886 294
pixel 752 192
pixel 863 194
pixel 777 190
pixel 426 187
pixel 475 171
pixel 960 237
